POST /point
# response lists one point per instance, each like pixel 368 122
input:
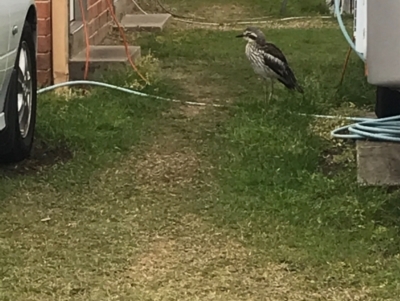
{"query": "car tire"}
pixel 20 106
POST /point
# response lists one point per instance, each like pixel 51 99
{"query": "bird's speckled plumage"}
pixel 267 59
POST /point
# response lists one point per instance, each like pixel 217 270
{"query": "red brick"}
pixel 104 18
pixel 92 40
pixel 91 2
pixel 44 77
pixel 44 61
pixel 44 27
pixel 104 5
pixel 44 44
pixel 98 17
pixel 92 27
pixel 43 9
pixel 97 22
pixel 93 11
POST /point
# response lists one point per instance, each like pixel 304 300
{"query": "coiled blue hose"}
pixel 383 129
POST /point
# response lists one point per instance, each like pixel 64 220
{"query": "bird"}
pixel 268 61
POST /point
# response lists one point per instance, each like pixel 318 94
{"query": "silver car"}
pixel 18 39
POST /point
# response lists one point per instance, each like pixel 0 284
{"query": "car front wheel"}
pixel 20 108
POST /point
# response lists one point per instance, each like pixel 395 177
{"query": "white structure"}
pixel 383 36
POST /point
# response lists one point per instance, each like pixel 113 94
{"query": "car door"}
pixel 18 10
pixel 4 39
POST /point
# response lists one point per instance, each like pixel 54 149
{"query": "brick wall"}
pixel 98 18
pixel 44 42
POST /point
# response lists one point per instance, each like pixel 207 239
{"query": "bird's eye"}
pixel 252 36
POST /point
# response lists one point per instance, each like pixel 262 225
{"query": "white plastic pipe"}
pixel 360 32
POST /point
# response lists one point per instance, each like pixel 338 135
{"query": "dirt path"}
pixel 185 257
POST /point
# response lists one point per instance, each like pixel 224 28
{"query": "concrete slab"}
pixel 150 22
pixel 378 163
pixel 102 58
pixel 76 38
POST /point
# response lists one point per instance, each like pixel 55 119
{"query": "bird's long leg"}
pixel 272 89
pixel 266 89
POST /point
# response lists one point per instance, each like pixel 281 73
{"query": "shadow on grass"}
pixel 43 156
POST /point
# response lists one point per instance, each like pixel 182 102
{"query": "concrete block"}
pixel 76 38
pixel 378 163
pixel 150 22
pixel 102 58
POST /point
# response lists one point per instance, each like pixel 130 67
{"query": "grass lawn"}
pixel 129 198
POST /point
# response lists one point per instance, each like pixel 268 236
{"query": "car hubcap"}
pixel 24 90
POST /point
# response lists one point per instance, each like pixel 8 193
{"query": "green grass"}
pixel 313 54
pixel 271 179
pixel 144 200
pixel 271 176
pixel 95 130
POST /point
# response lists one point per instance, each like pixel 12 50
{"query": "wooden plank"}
pixel 60 33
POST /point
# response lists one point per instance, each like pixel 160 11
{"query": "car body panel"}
pixel 5 42
pixel 12 18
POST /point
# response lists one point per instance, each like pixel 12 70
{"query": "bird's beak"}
pixel 240 35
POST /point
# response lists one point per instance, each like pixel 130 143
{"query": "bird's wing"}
pixel 274 59
pixel 274 51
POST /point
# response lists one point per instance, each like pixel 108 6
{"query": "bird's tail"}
pixel 299 88
pixel 290 81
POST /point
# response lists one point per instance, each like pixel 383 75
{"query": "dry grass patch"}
pixel 198 262
pixel 299 23
pixel 201 11
pixel 169 169
pixel 109 254
pixel 200 85
pixel 219 12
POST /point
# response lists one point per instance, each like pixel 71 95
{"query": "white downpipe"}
pixel 360 26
